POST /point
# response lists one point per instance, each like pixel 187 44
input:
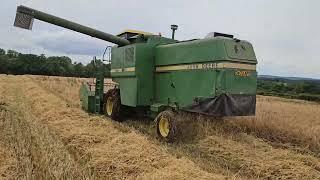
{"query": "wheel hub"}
pixel 164 128
pixel 109 106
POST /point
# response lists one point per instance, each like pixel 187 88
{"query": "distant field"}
pixel 45 135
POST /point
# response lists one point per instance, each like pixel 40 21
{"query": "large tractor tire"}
pixel 167 129
pixel 112 104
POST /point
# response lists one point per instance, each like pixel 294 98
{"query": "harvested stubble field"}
pixel 45 135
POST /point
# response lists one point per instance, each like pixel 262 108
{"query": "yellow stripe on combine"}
pixel 206 66
pixel 116 70
pixel 130 69
pixel 194 67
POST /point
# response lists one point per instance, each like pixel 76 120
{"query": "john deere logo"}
pixel 236 49
pixel 242 73
pixel 239 48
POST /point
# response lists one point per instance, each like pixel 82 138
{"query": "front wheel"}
pixel 167 129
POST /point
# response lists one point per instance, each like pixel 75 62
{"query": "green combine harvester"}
pixel 160 77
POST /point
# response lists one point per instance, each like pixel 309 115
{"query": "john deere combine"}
pixel 161 76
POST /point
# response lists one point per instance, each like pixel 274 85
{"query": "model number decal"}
pixel 202 66
pixel 209 66
pixel 242 73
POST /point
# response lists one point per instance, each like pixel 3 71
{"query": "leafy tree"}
pixel 3 65
pixel 12 54
pixel 14 62
pixel 2 52
pixel 307 90
pixel 79 70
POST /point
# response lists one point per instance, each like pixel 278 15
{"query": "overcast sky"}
pixel 284 33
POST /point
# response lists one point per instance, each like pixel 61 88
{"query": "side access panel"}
pixel 128 90
pixel 236 81
pixel 124 73
pixel 165 92
pixel 145 74
pixel 182 87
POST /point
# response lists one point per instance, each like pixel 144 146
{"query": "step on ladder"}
pixel 98 95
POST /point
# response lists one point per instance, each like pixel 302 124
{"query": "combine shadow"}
pixel 191 127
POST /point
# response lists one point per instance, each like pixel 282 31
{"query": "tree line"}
pixel 296 89
pixel 13 62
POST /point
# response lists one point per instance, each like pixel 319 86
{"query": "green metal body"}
pixel 87 98
pixel 156 73
pixel 161 72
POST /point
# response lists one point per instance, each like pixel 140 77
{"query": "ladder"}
pixel 99 90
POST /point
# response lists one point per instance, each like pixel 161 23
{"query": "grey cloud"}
pixel 70 43
pixel 284 33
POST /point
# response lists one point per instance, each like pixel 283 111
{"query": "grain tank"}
pixel 160 76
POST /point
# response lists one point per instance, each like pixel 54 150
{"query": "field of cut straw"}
pixel 45 135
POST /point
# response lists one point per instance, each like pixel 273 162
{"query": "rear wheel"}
pixel 112 104
pixel 167 129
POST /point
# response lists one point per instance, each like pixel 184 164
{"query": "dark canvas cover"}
pixel 225 105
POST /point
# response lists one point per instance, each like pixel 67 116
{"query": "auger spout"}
pixel 25 16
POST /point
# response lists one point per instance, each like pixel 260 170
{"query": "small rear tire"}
pixel 112 104
pixel 167 129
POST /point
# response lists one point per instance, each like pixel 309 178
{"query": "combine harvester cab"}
pixel 160 77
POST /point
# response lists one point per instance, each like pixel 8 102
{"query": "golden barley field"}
pixel 45 135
